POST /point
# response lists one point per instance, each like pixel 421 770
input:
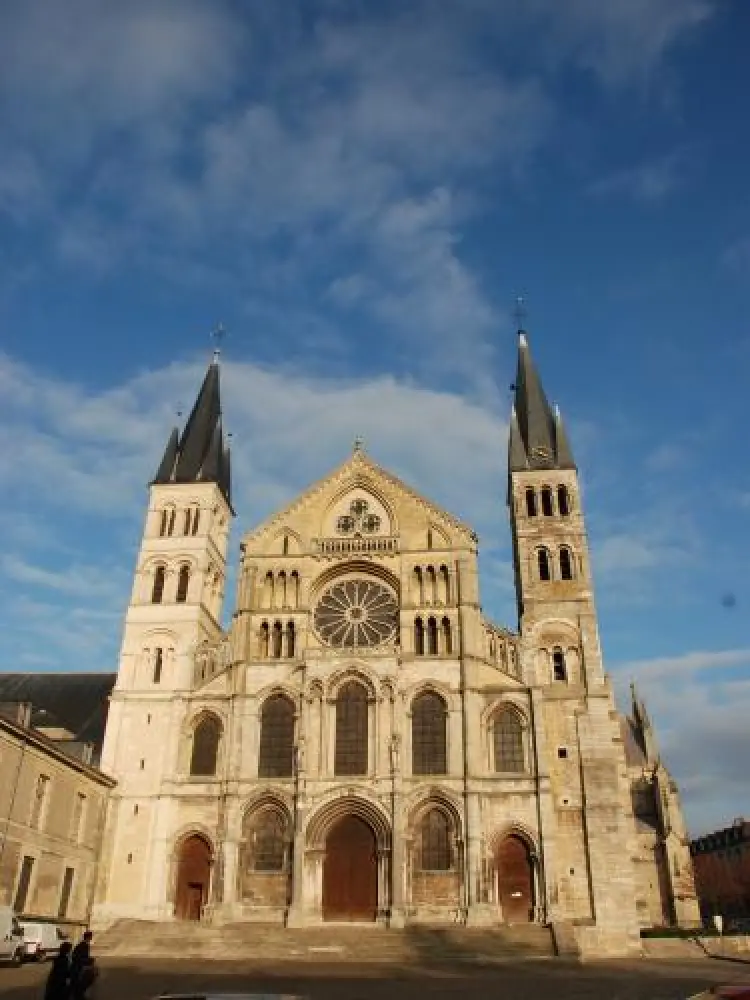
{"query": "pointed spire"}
pixel 565 458
pixel 199 455
pixel 166 466
pixel 541 435
pixel 516 450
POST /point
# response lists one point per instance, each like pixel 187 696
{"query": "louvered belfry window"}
pixel 205 746
pixel 428 739
pixel 508 742
pixel 276 738
pixel 351 730
pixel 435 854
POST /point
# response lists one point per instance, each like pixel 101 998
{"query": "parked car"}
pixel 40 941
pixel 11 937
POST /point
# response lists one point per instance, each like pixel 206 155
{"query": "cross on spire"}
pixel 520 313
pixel 217 335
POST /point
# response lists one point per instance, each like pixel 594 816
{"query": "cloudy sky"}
pixel 359 190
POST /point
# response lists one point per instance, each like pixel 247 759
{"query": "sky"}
pixel 359 191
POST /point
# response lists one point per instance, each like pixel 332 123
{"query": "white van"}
pixel 40 941
pixel 11 937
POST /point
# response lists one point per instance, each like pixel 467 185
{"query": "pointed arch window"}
pixel 559 672
pixel 164 522
pixel 445 585
pixel 290 640
pixel 432 592
pixel 419 637
pixel 206 737
pixel 268 590
pixel 507 739
pixel 531 509
pixel 547 508
pixel 566 564
pixel 432 637
pixel 157 590
pixel 188 521
pixel 158 663
pixel 544 564
pixel 446 635
pixel 285 546
pixel 263 642
pixel 277 641
pixel 428 734
pixel 196 520
pixel 294 588
pixel 183 582
pixel 435 842
pixel 276 753
pixel 563 501
pixel 269 835
pixel 418 586
pixel 171 520
pixel 351 730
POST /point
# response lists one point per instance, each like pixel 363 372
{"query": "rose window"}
pixel 357 613
pixel 358 521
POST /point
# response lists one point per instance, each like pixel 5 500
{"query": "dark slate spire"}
pixel 537 436
pixel 200 455
pixel 166 468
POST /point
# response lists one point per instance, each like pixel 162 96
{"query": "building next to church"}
pixel 363 743
pixel 53 799
pixel 721 860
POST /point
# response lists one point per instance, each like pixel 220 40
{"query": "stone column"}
pixel 296 915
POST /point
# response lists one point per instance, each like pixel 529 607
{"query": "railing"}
pixel 346 546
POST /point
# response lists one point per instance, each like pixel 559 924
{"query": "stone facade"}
pixel 361 683
pixel 54 808
pixel 722 872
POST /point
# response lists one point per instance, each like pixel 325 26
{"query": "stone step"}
pixel 360 943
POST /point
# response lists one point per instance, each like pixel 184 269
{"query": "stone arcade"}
pixel 363 743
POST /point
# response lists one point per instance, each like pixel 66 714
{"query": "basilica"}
pixel 362 743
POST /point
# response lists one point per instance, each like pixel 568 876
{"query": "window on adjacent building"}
pixel 40 799
pixel 76 820
pixel 276 754
pixel 67 885
pixel 24 881
pixel 351 729
pixel 435 842
pixel 507 737
pixel 206 737
pixel 428 734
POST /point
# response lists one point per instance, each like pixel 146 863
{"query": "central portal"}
pixel 350 872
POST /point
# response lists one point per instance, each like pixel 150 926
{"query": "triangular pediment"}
pixel 360 497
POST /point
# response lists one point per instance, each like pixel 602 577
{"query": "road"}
pixel 511 980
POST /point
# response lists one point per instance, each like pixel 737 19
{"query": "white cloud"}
pixel 75 580
pixel 651 181
pixel 694 662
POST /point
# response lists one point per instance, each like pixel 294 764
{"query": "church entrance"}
pixel 515 880
pixel 193 878
pixel 350 872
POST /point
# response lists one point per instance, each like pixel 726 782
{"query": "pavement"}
pixel 557 979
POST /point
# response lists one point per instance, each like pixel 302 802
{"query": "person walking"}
pixel 83 970
pixel 58 980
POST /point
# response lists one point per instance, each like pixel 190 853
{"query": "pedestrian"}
pixel 58 980
pixel 83 971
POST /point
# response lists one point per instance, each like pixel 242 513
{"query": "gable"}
pixel 359 499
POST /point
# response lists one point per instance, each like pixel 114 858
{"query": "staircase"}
pixel 362 944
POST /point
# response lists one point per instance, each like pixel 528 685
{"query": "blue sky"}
pixel 359 191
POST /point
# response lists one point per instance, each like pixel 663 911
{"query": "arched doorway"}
pixel 350 871
pixel 193 877
pixel 515 880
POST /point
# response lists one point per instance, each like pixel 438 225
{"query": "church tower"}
pixel 585 810
pixel 174 613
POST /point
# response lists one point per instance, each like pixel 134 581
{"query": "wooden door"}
pixel 515 881
pixel 350 872
pixel 193 877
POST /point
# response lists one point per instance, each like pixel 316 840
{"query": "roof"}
pixel 76 702
pixel 199 455
pixel 537 435
pixel 57 749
